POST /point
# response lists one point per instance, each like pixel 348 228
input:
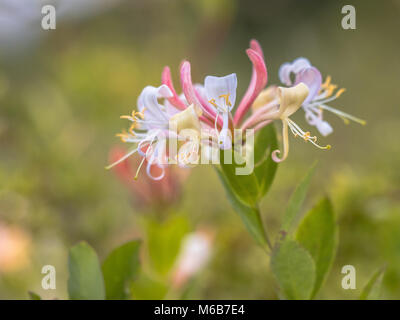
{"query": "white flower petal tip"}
pixel 324 128
pixel 221 91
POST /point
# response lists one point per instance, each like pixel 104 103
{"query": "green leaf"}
pixel 265 168
pixel 85 278
pixel 296 200
pixel 145 288
pixel 318 233
pixel 119 268
pixel 34 296
pixel 164 242
pixel 249 215
pixel 245 187
pixel 372 290
pixel 294 269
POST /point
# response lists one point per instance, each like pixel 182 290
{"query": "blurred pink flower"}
pixel 195 253
pixel 14 248
pixel 146 191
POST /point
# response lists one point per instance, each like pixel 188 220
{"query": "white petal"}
pixel 217 87
pixel 149 99
pixel 324 128
pixel 300 63
pixel 312 78
pixel 284 73
pixel 288 68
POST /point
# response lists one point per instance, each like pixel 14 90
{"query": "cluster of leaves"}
pixel 122 275
pixel 88 280
pixel 302 256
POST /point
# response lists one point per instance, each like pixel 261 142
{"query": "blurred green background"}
pixel 62 93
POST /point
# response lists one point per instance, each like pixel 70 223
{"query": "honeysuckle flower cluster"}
pixel 320 93
pixel 164 118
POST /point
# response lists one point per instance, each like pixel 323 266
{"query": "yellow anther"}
pixel 328 146
pixel 340 92
pixel 123 136
pixel 306 136
pixel 327 82
pixel 127 117
pixel 345 120
pixel 212 101
pixel 226 97
pixel 131 129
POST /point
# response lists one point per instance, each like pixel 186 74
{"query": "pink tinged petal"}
pixel 167 80
pixel 191 94
pixel 187 86
pixel 312 78
pixel 255 45
pixel 258 82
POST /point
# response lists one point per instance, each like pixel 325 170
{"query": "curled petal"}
pixel 258 82
pixel 287 68
pixel 285 139
pixel 193 96
pixel 167 80
pixel 312 78
pixel 148 100
pixel 255 45
pixel 284 74
pixel 187 87
pixel 149 173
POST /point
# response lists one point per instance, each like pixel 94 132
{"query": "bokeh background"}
pixel 62 92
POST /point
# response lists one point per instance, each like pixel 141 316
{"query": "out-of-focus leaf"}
pixel 164 241
pixel 34 296
pixel 145 288
pixel 264 167
pixel 296 200
pixel 85 278
pixel 372 290
pixel 294 269
pixel 249 215
pixel 246 186
pixel 318 233
pixel 119 268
